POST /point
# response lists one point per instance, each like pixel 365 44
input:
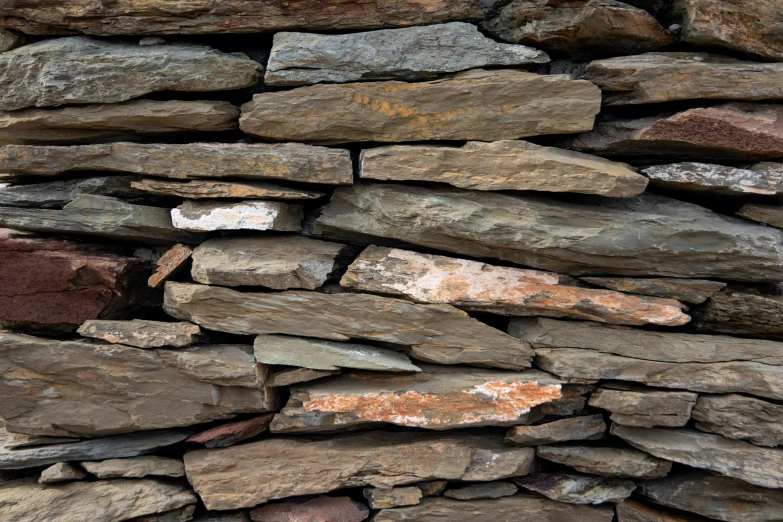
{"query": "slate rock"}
pixel 61 472
pixel 494 105
pixel 277 262
pixel 322 509
pixel 740 417
pixel 607 238
pixel 130 389
pixel 573 488
pixel 384 498
pixel 10 40
pixel 484 490
pixel 438 399
pixel 432 488
pixel 102 71
pixel 702 363
pixel 632 511
pixel 204 189
pixel 665 77
pixel 689 290
pixel 141 333
pixel 208 216
pixel 590 427
pixel 410 54
pixel 136 467
pixel 436 333
pixel 755 465
pixel 183 514
pixel 713 179
pixel 645 408
pixel 232 432
pixel 57 194
pixel 606 462
pixel 736 312
pixel 249 474
pixel 296 375
pixel 580 29
pixel 476 286
pixel 769 214
pixel 136 120
pixel 169 264
pixel 502 165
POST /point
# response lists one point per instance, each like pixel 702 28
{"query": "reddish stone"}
pixel 321 509
pixel 228 434
pixel 169 264
pixel 51 284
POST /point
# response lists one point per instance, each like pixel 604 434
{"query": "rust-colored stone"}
pixel 233 432
pixel 197 189
pixel 169 263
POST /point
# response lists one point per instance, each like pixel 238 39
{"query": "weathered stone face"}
pixel 573 488
pixel 589 427
pixel 769 214
pixel 632 511
pixel 688 290
pixel 57 194
pixel 607 462
pixel 496 105
pixel 485 490
pixel 740 417
pixel 141 333
pixel 204 189
pixel 383 498
pixel 169 264
pixel 253 473
pixel 232 432
pixel 714 179
pixel 209 216
pixel 61 472
pixel 645 407
pixel 136 467
pixel 742 313
pixel 326 509
pixel 297 375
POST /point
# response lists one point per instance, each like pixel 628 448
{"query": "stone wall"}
pixel 420 260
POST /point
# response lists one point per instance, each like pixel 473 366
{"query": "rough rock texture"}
pixel 130 389
pixel 590 427
pixel 57 194
pixel 742 26
pixel 741 313
pixel 133 120
pixel 503 165
pixel 50 284
pixel 713 179
pixel 518 508
pixel 719 498
pixel 649 235
pixel 169 264
pixel 483 490
pixel 101 71
pixel 232 432
pixel 297 375
pixel 607 462
pixel 734 131
pixel 769 214
pixel 317 354
pixel 249 474
pixel 495 105
pixel 284 161
pixel 201 189
pixel 432 488
pixel 689 290
pixel 383 498
pixel 100 216
pixel 632 511
pixel 572 488
pixel 110 500
pixel 207 216
pixel 759 466
pixel 740 417
pixel 704 363
pixel 61 472
pixel 477 286
pixel 141 333
pixel 579 28
pixel 410 54
pixel 10 40
pixel 233 16
pixel 136 467
pixel 320 509
pixel 278 262
pixel 438 398
pixel 663 77
pixel 645 408
pixel 436 333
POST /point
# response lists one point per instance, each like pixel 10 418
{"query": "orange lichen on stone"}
pixel 169 263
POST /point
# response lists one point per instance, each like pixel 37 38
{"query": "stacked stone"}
pixel 430 260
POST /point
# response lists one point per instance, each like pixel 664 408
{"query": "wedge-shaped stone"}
pixel 704 363
pixel 169 264
pixel 411 54
pixel 100 216
pixel 208 216
pixel 296 375
pixel 102 500
pixel 141 333
pixel 589 427
pixel 494 105
pixel 231 16
pixel 57 194
pixel 136 120
pixel 118 446
pixel 61 472
pixel 663 77
pixel 610 237
pixel 102 71
pixel 740 417
pixel 645 408
pixel 632 511
pixel 719 498
pixel 130 389
pixel 742 313
pixel 328 355
pixel 205 189
pixel 518 508
pixel 253 473
pixel 278 262
pixel 503 165
pixel 607 462
pixel 770 214
pixel 714 179
pixel 436 333
pixel 477 286
pixel 732 132
pixel 232 432
pixel 438 398
pixel 688 290
pixel 573 488
pixel 734 458
pixel 136 467
pixel 580 29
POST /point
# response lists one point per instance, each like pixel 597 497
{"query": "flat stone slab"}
pixel 232 432
pixel 607 462
pixel 746 313
pixel 435 333
pixel 589 427
pixel 101 71
pixel 136 467
pixel 485 490
pixel 57 194
pixel 326 509
pixel 573 488
pixel 296 375
pixel 208 216
pixel 384 498
pixel 714 179
pixel 632 511
pixel 689 290
pixel 495 105
pixel 141 333
pixel 645 408
pixel 740 417
pixel 61 472
pixel 204 189
pixel 503 165
pixel 770 214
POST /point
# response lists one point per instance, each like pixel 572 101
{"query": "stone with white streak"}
pixel 714 179
pixel 207 216
pixel 573 488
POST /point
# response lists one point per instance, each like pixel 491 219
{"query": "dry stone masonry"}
pixel 409 261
